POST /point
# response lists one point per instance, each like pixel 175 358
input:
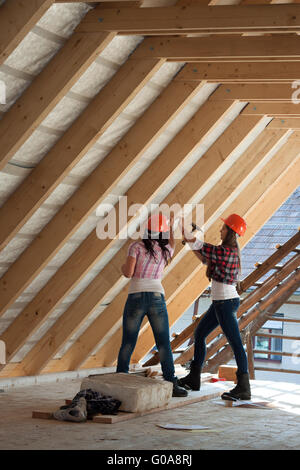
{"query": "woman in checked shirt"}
pixel 145 263
pixel 223 268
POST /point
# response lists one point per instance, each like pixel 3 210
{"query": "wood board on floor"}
pixel 207 392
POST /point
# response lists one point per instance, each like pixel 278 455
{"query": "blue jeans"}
pixel 154 306
pixel 223 313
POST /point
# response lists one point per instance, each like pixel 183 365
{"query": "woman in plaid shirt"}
pixel 223 270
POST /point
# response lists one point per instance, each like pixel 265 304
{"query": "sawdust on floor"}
pixel 234 428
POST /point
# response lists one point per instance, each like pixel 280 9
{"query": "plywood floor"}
pixel 230 428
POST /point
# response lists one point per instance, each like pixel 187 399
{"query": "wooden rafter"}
pixel 17 18
pixel 175 280
pixel 171 158
pixel 75 142
pixel 120 159
pixel 226 19
pixel 52 83
pixel 249 301
pixel 254 194
pixel 258 315
pixel 111 275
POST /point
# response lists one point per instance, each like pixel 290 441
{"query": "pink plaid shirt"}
pixel 146 266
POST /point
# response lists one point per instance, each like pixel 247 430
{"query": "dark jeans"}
pixel 223 313
pixel 137 306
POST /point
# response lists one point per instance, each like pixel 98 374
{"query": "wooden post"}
pixel 250 356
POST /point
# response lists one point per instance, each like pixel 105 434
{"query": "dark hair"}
pixel 150 238
pixel 230 239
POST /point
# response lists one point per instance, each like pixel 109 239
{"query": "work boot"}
pixel 191 381
pixel 178 391
pixel 241 391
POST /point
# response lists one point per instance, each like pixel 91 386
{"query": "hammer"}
pixel 194 227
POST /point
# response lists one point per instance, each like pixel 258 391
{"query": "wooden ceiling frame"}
pixel 84 257
pixel 179 283
pixel 174 281
pixel 143 192
pixel 89 195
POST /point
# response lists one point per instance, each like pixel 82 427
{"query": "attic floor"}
pixel 230 428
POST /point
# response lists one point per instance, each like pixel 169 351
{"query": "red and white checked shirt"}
pixel 146 266
pixel 224 262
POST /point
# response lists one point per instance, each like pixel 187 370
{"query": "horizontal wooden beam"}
pixel 255 92
pixel 17 18
pixel 271 109
pixel 194 19
pixel 220 48
pixel 248 71
pixel 285 123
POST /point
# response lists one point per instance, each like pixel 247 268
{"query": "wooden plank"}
pixel 132 145
pixel 255 92
pixel 194 19
pixel 46 90
pixel 17 18
pixel 77 140
pixel 271 109
pixel 207 392
pixel 234 72
pixel 284 319
pixel 265 206
pixel 250 357
pixel 273 259
pixel 246 304
pixel 143 190
pixel 208 48
pixel 178 278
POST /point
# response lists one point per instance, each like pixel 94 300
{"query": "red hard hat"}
pixel 236 223
pixel 158 223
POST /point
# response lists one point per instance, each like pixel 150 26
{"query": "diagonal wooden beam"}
pixel 101 286
pixel 191 49
pixel 17 18
pixel 91 193
pixel 257 317
pixel 247 303
pixel 91 337
pixel 46 90
pixel 187 279
pixel 144 190
pixel 248 71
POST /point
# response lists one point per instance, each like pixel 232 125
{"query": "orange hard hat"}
pixel 236 223
pixel 158 223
